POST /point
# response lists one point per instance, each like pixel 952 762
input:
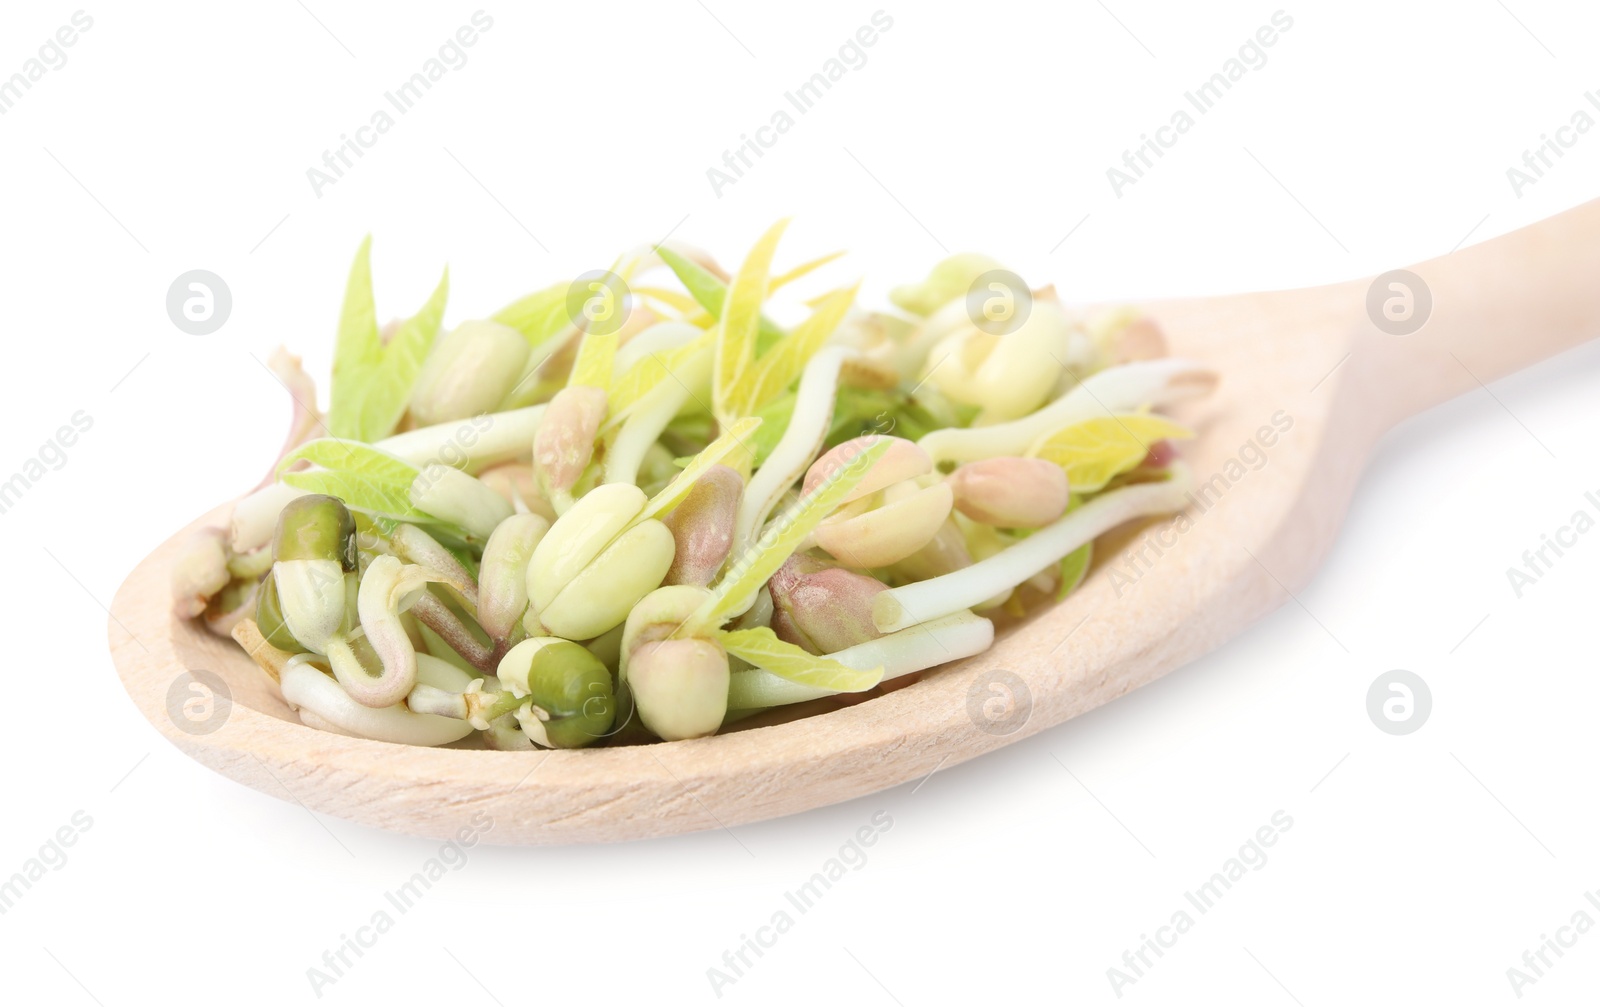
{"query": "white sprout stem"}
pixel 916 648
pixel 416 546
pixel 452 495
pixel 912 354
pixel 1116 389
pixel 433 613
pixel 311 720
pixel 321 702
pixel 650 416
pixel 658 337
pixel 468 442
pixel 642 429
pixel 905 606
pixel 808 426
pixel 759 613
pixel 437 702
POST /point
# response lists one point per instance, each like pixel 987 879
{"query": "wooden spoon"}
pixel 1309 382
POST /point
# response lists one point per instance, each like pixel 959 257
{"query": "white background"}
pixel 1418 869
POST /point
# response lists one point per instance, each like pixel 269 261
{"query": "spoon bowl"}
pixel 1310 380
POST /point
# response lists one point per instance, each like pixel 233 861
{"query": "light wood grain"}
pixel 1312 354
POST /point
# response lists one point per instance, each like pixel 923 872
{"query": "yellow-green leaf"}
pixel 676 299
pixel 596 355
pixel 1094 451
pixel 762 648
pixel 733 439
pixel 1075 564
pixel 387 386
pixel 755 566
pixel 364 477
pixel 1074 567
pixel 770 334
pixel 741 319
pixel 779 282
pixel 538 316
pixel 781 365
pixel 356 347
pixel 650 370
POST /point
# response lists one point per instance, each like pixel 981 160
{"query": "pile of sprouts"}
pixel 633 506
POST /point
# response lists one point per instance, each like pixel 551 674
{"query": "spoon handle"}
pixel 1496 308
